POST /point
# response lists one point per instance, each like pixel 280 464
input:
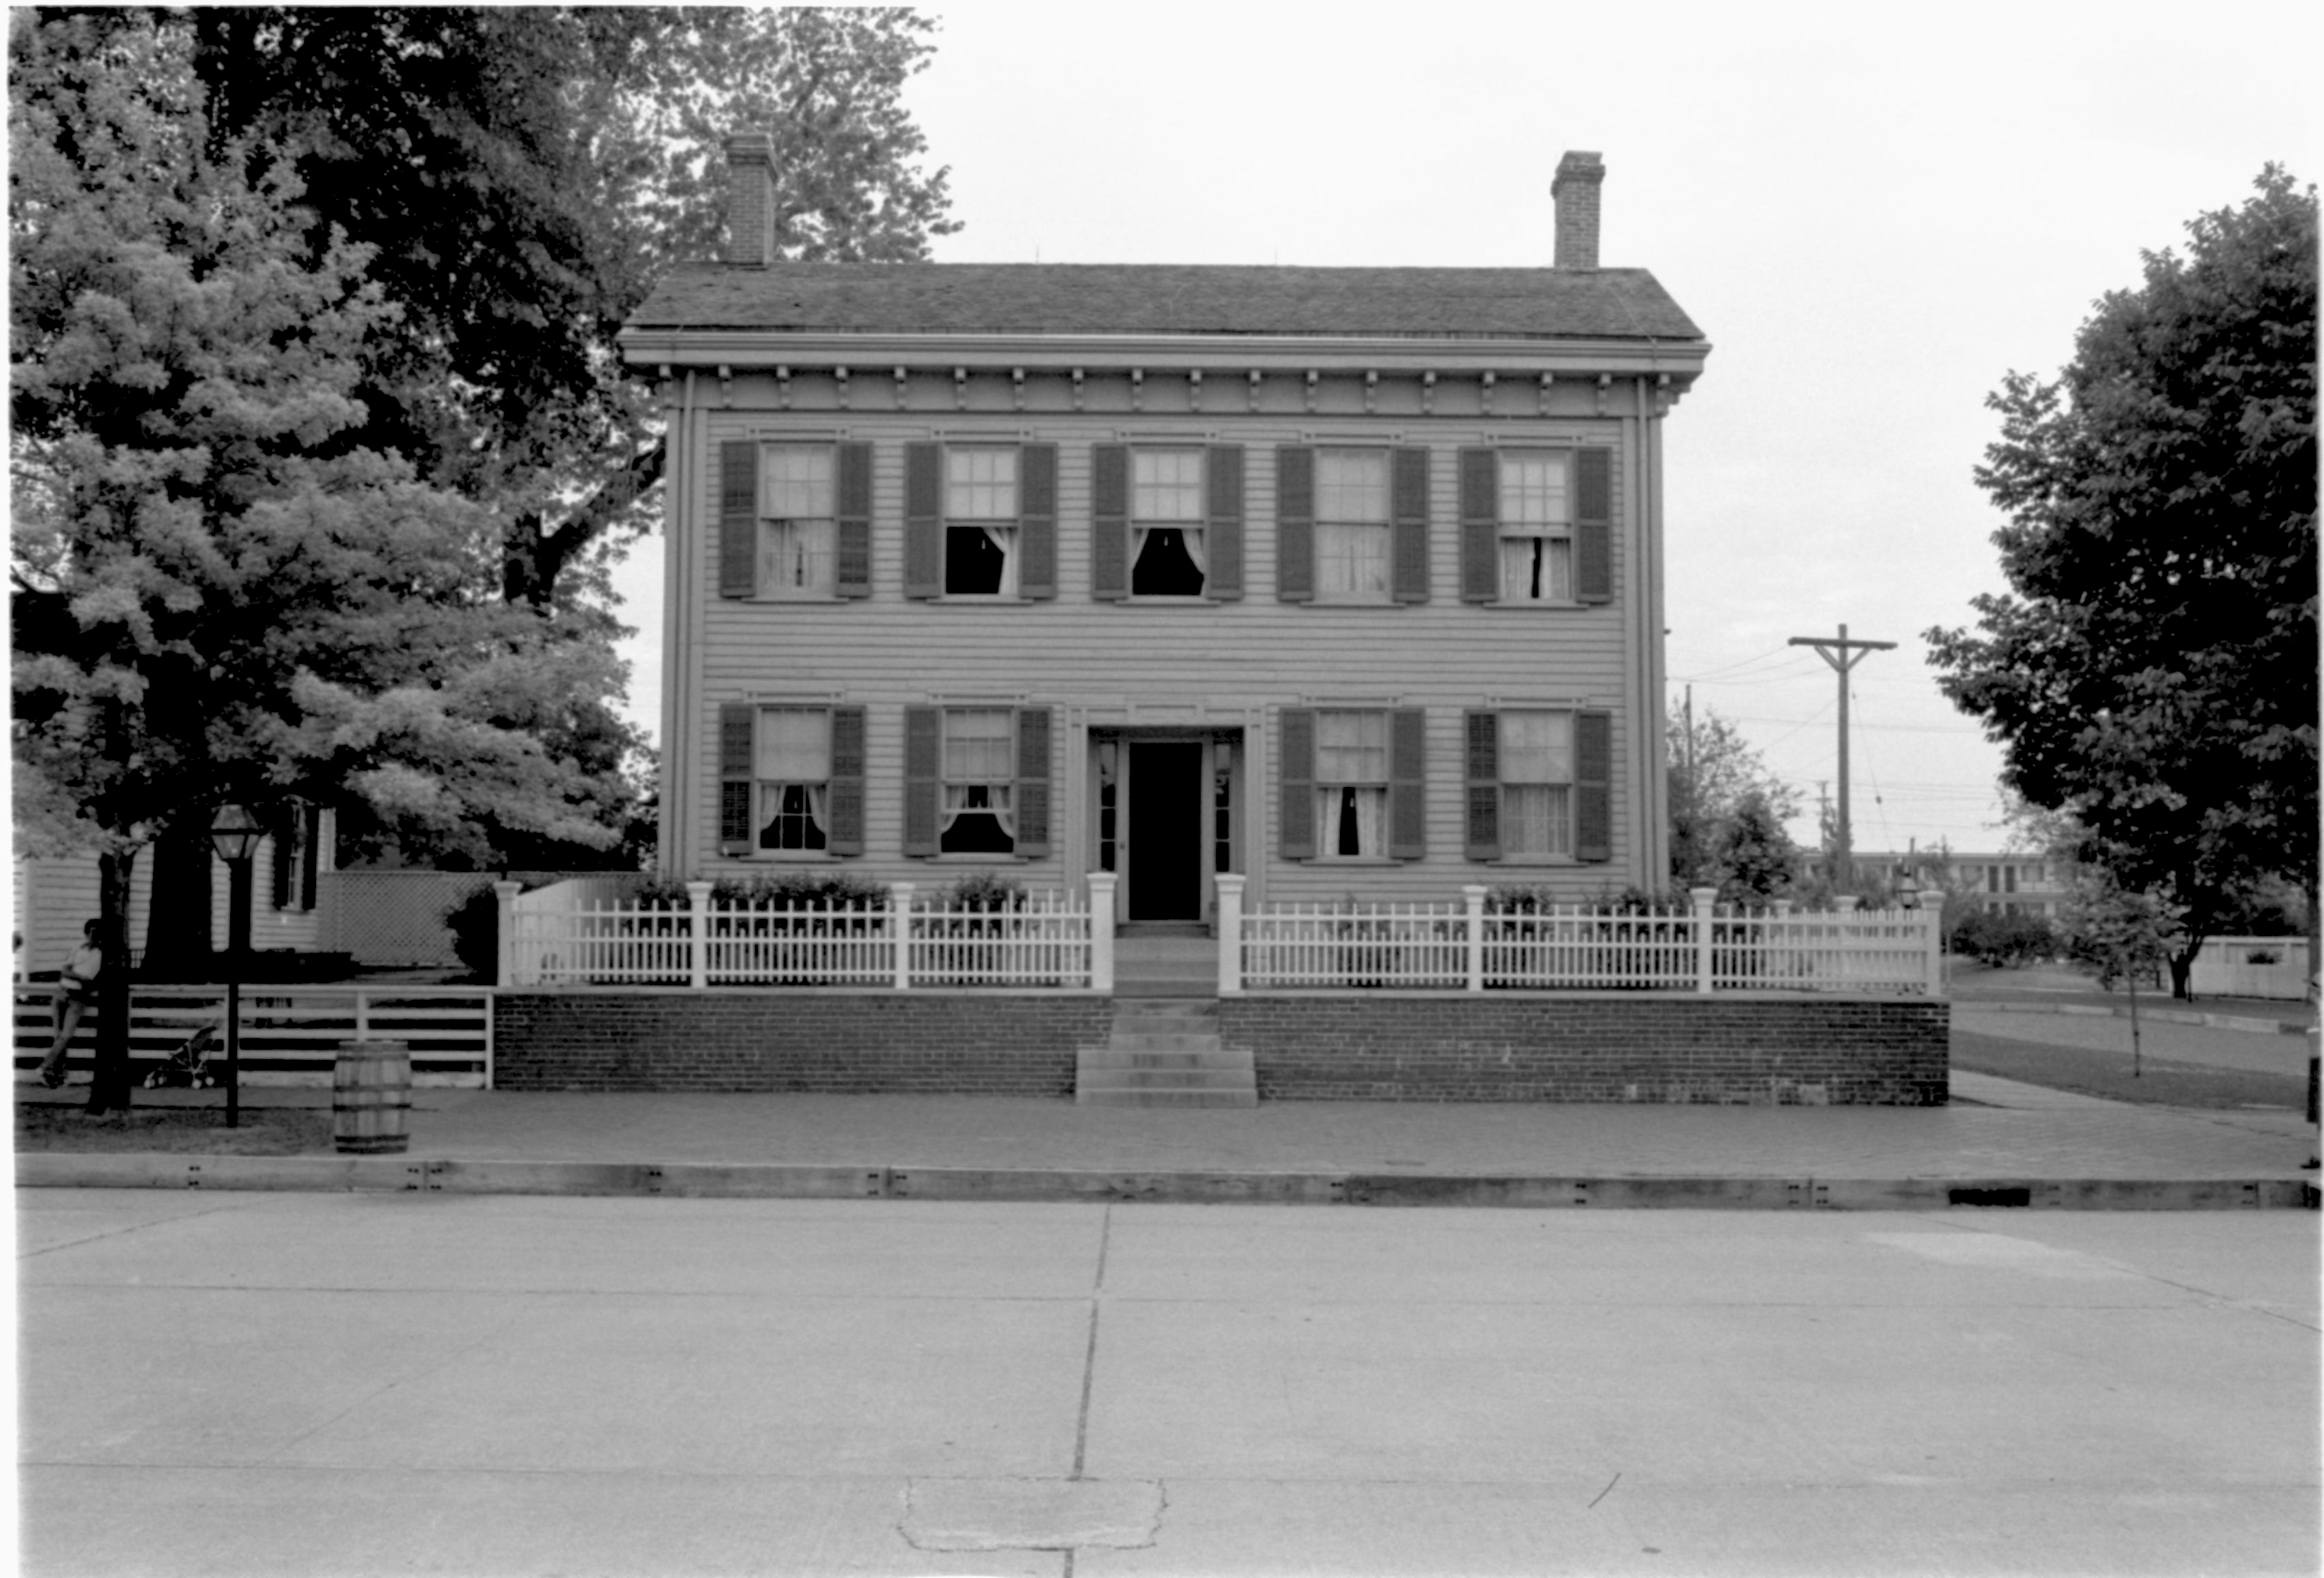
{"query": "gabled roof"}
pixel 1165 299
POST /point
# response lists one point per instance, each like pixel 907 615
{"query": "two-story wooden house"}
pixel 1349 579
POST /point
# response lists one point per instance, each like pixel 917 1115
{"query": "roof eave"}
pixel 680 346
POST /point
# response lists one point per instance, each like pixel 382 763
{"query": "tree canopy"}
pixel 219 591
pixel 2152 669
pixel 1715 778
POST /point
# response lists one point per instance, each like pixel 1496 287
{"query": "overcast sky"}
pixel 1872 221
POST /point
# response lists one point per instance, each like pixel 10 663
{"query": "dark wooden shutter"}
pixel 1033 775
pixel 924 520
pixel 1408 514
pixel 1223 521
pixel 1593 788
pixel 843 832
pixel 1407 784
pixel 1108 522
pixel 852 576
pixel 738 519
pixel 737 765
pixel 1593 525
pixel 309 853
pixel 284 829
pixel 1294 527
pixel 923 780
pixel 1481 525
pixel 1295 777
pixel 1481 732
pixel 1037 520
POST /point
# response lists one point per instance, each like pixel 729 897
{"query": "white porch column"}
pixel 1100 905
pixel 1705 898
pixel 1230 885
pixel 1474 895
pixel 899 923
pixel 505 893
pixel 698 920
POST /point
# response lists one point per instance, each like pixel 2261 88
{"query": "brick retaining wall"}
pixel 1307 1046
pixel 981 1043
pixel 1526 1046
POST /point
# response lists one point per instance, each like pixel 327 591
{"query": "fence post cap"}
pixel 1474 890
pixel 506 888
pixel 699 888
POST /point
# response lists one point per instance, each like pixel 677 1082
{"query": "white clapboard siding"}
pixel 886 652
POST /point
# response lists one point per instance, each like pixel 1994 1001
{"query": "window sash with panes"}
pixel 1536 773
pixel 1352 778
pixel 1167 550
pixel 796 529
pixel 979 767
pixel 1536 528
pixel 793 774
pixel 980 513
pixel 1351 526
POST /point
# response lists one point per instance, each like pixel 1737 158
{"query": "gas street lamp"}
pixel 234 834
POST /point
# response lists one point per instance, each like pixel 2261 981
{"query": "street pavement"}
pixel 252 1384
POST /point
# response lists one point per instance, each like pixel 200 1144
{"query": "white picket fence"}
pixel 1702 949
pixel 553 938
pixel 288 1035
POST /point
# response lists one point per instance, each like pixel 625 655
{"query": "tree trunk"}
pixel 108 1089
pixel 178 920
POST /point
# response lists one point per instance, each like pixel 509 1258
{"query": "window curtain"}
pixel 1193 538
pixel 961 797
pixel 1004 537
pixel 1353 821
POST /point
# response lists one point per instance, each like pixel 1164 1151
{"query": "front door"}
pixel 1166 830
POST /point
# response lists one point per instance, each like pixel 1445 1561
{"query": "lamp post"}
pixel 234 834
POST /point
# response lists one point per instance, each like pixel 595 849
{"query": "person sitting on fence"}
pixel 75 992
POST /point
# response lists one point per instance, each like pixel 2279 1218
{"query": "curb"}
pixel 692 1180
pixel 2243 1022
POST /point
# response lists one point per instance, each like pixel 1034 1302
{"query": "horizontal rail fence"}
pixel 1041 941
pixel 1669 947
pixel 289 1034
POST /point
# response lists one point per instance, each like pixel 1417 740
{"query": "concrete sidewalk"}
pixel 1999 1136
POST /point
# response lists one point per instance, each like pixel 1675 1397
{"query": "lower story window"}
pixel 1537 768
pixel 977 816
pixel 1350 784
pixel 794 778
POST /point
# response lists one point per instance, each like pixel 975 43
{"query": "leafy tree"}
pixel 1753 856
pixel 2126 933
pixel 524 174
pixel 219 592
pixel 2153 672
pixel 1713 772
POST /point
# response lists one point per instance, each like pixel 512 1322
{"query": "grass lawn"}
pixel 2161 1082
pixel 267 1131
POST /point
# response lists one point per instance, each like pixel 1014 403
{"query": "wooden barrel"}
pixel 371 1097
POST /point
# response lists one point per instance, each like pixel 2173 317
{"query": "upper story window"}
pixel 980 506
pixel 980 520
pixel 797 521
pixel 1351 526
pixel 794 520
pixel 1536 530
pixel 1167 556
pixel 793 775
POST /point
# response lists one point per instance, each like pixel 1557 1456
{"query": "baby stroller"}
pixel 190 1065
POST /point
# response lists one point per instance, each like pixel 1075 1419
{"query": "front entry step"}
pixel 1165 966
pixel 1165 1052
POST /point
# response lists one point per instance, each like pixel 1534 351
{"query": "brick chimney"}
pixel 1576 193
pixel 751 199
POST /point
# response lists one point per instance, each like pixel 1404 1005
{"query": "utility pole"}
pixel 1843 655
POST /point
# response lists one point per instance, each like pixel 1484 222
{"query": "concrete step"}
pixel 1181 1098
pixel 1162 1040
pixel 1163 1079
pixel 1213 1056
